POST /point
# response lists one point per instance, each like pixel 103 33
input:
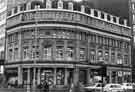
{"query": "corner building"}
pixel 63 44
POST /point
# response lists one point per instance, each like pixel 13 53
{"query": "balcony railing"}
pixel 66 16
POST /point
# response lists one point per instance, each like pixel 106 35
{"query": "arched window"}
pixel 36 3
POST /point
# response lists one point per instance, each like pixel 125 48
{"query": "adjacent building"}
pixel 3 8
pixel 57 42
pixel 132 22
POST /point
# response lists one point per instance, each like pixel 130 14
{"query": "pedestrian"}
pixel 45 87
pixel 71 87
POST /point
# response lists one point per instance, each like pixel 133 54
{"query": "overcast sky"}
pixel 115 7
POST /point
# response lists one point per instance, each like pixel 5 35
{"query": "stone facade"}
pixel 63 45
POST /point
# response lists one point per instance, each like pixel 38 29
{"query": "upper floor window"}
pixel 100 56
pixel 92 55
pixel 16 53
pixel 10 54
pixel 112 57
pixel 119 59
pixel 47 52
pixel 9 13
pixel 70 53
pixel 23 7
pixel 106 58
pixel 126 59
pixel 82 54
pixel 35 52
pixel 15 9
pixel 26 53
pixel 59 52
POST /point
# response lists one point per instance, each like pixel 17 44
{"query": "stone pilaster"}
pixel 54 76
pixel 88 76
pixel 99 14
pixel 18 8
pixel 48 4
pixel 20 75
pixel 77 50
pixel 83 8
pixel 28 6
pixel 110 54
pixel 34 77
pixel 66 76
pixel 65 50
pixel 105 16
pixel 28 80
pixel 111 16
pixel 110 76
pixel 12 11
pixel 70 6
pixel 60 4
pixel 38 76
pixel 92 12
pixel 125 22
pixel 76 76
pixel 117 20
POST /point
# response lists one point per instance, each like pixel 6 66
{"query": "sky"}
pixel 115 7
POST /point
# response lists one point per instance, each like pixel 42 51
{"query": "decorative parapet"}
pixel 95 18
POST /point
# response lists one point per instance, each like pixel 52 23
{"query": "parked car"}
pixel 95 87
pixel 112 87
pixel 127 86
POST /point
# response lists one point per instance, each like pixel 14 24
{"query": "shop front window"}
pixel 82 76
pixel 60 77
pixel 82 54
pixel 70 53
pixel 47 75
pixel 59 52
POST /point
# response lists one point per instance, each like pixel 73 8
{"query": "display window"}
pixel 47 75
pixel 60 77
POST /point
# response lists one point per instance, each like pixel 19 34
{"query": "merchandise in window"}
pixel 60 77
pixel 48 76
